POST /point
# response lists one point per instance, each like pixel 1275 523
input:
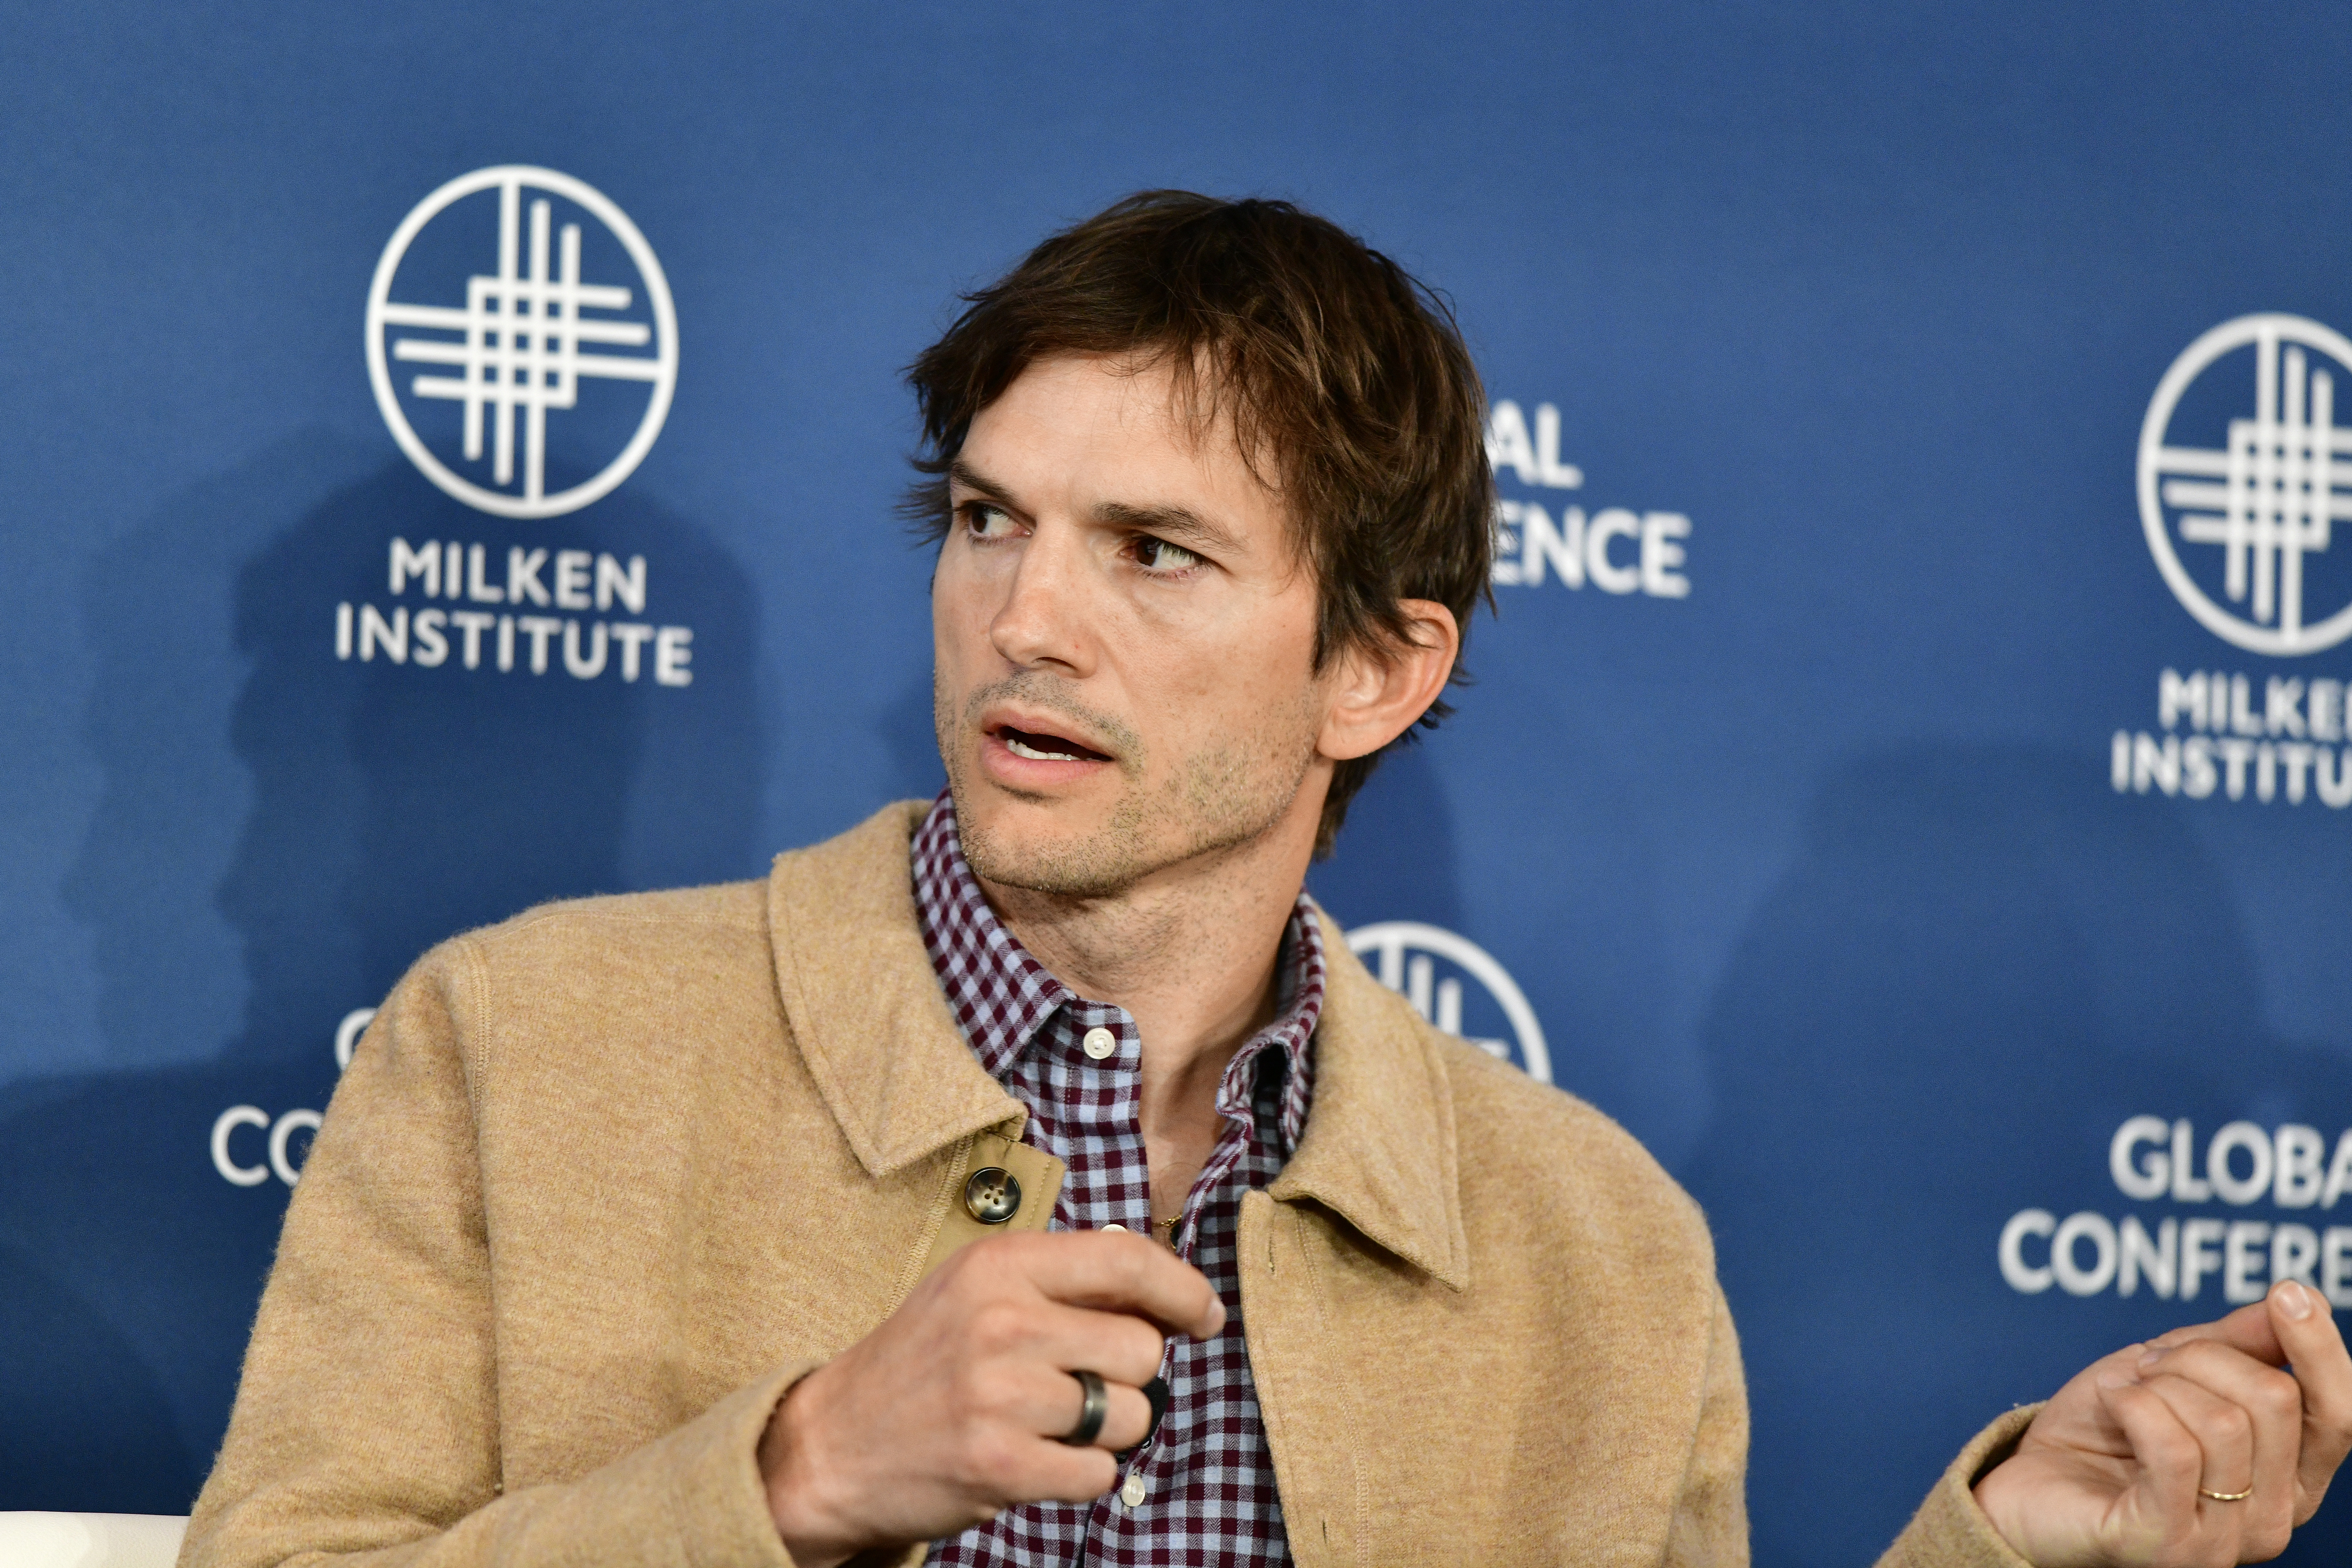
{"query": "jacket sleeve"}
pixel 1951 1531
pixel 1710 1528
pixel 366 1424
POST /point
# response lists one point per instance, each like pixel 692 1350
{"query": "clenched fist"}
pixel 955 1408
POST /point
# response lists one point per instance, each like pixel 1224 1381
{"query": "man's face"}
pixel 1124 639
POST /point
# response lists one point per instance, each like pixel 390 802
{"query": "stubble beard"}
pixel 1218 798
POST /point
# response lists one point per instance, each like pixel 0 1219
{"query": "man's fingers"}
pixel 2224 1433
pixel 1129 1418
pixel 2306 1330
pixel 2249 1418
pixel 1055 1473
pixel 2259 1402
pixel 1117 1345
pixel 2270 1399
pixel 2171 1457
pixel 1117 1271
pixel 2292 1326
pixel 1052 1402
pixel 2248 1329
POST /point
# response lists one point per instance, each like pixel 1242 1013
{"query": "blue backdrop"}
pixel 1852 801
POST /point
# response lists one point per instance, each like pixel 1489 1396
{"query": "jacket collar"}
pixel 864 1005
pixel 865 1009
pixel 1378 1149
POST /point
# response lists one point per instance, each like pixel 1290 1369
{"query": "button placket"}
pixel 1091 1051
pixel 1031 1033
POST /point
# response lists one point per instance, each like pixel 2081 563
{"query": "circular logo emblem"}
pixel 2258 477
pixel 548 325
pixel 1430 965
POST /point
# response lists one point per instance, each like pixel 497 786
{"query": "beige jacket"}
pixel 602 1181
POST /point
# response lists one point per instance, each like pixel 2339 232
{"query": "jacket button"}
pixel 991 1196
pixel 1100 1043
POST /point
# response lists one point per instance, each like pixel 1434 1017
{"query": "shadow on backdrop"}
pixel 1972 943
pixel 911 743
pixel 396 805
pixel 316 823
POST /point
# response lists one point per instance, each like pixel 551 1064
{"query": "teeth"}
pixel 1018 749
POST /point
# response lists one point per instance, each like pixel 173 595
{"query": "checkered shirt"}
pixel 1208 1484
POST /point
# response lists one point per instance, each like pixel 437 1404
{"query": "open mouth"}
pixel 1040 746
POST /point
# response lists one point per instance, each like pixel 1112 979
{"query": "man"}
pixel 708 1226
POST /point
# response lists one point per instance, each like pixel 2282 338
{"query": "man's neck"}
pixel 1190 954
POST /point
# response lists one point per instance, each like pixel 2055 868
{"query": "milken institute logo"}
pixel 516 345
pixel 2269 495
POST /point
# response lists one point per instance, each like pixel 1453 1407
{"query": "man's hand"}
pixel 2121 1466
pixel 952 1411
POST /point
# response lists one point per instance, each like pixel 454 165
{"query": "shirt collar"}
pixel 861 1008
pixel 1001 997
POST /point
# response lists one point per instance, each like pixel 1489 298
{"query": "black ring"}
pixel 1090 1413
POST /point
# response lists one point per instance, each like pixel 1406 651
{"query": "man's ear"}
pixel 1378 691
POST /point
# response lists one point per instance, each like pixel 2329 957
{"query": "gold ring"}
pixel 2226 1496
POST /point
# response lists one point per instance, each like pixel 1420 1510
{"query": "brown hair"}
pixel 1325 355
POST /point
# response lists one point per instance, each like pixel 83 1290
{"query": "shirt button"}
pixel 1115 1224
pixel 1132 1492
pixel 1101 1042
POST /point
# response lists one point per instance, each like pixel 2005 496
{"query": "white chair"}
pixel 90 1539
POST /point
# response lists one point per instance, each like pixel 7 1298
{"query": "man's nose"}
pixel 1042 623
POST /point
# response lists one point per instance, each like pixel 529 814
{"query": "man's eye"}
pixel 985 521
pixel 1158 555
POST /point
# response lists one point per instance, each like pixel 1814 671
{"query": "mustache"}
pixel 1039 690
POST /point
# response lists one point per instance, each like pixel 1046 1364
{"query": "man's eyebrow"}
pixel 964 474
pixel 1179 525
